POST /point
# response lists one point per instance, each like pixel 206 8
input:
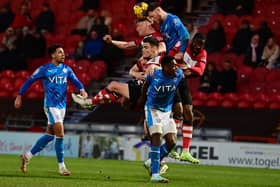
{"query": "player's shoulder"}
pixel 158 36
pixel 155 60
pixel 179 72
pixel 157 72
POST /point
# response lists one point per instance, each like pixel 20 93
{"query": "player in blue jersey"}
pixel 174 32
pixel 54 76
pixel 160 89
pixel 176 37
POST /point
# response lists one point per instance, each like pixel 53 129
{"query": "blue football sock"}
pixel 155 158
pixel 59 149
pixel 41 143
pixel 163 151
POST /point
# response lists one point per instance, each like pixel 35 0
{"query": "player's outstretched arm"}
pixel 119 44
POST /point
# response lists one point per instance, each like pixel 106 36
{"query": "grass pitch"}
pixel 42 172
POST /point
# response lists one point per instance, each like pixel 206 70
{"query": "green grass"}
pixel 42 172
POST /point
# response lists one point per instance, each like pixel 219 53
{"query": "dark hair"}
pixel 152 6
pixel 166 60
pixel 151 40
pixel 53 48
pixel 199 38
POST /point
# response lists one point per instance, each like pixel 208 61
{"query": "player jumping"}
pixel 160 89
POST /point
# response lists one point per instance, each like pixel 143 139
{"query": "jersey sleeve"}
pixel 73 78
pixel 199 67
pixel 138 41
pixel 37 74
pixel 180 74
pixel 182 33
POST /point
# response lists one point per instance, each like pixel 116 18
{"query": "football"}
pixel 141 10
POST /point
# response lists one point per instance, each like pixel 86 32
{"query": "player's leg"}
pixel 154 123
pixel 187 127
pixel 38 146
pixel 58 116
pixel 170 135
pixel 110 94
pixel 177 111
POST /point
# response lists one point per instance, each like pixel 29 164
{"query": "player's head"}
pixel 57 53
pixel 198 42
pixel 144 27
pixel 155 12
pixel 168 64
pixel 150 47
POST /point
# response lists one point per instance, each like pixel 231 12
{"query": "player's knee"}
pixel 171 144
pixel 177 111
pixel 59 135
pixel 112 86
pixel 188 114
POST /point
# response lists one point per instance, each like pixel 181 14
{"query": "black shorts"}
pixel 177 97
pixel 135 91
pixel 185 93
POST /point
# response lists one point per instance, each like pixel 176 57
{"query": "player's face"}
pixel 155 16
pixel 59 55
pixel 148 51
pixel 141 28
pixel 170 69
pixel 196 47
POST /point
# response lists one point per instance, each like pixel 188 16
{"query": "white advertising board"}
pixel 217 153
pixel 19 142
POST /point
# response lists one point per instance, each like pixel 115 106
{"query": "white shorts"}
pixel 159 122
pixel 54 115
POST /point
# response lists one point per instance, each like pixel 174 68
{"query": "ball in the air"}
pixel 141 10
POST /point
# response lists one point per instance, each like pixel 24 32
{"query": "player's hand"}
pixel 107 38
pixel 179 56
pixel 140 75
pixel 18 102
pixel 151 69
pixel 83 93
pixel 187 72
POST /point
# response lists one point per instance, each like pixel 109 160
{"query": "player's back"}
pixel 169 29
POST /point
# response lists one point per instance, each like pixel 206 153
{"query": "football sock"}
pixel 41 143
pixel 59 149
pixel 163 151
pixel 104 97
pixel 61 165
pixel 187 136
pixel 155 158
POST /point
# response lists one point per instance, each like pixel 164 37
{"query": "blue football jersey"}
pixel 162 89
pixel 173 31
pixel 54 79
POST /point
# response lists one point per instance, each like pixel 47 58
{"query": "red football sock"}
pixel 187 136
pixel 104 97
